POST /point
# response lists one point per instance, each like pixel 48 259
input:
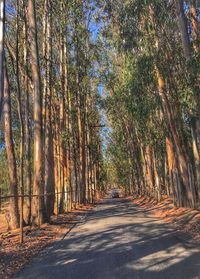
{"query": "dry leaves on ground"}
pixel 13 255
pixel 184 219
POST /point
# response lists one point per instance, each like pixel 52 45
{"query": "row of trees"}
pixel 50 120
pixel 153 97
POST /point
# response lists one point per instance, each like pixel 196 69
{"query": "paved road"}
pixel 118 241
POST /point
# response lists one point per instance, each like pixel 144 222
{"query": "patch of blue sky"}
pixel 94 29
pixel 101 89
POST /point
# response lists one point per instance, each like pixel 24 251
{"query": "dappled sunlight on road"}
pixel 162 258
pixel 119 240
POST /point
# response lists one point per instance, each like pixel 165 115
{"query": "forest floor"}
pixel 182 219
pixel 13 255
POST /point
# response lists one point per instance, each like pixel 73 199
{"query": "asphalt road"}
pixel 118 240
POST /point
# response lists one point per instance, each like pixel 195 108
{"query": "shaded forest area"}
pixel 55 56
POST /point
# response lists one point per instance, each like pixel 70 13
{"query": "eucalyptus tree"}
pixel 2 23
pixel 38 202
pixel 52 110
pixel 150 82
pixel 12 168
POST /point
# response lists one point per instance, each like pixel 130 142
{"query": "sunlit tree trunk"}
pixel 156 178
pixel 171 169
pixel 27 124
pixel 38 212
pixel 148 160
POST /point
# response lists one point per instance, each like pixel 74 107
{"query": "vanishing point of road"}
pixel 118 240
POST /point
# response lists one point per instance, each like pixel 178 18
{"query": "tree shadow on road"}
pixel 147 249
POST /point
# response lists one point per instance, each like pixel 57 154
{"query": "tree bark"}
pixel 62 126
pixel 149 169
pixel 183 28
pixel 27 123
pixel 2 23
pixel 38 212
pixel 195 25
pixel 49 180
pixel 19 108
pixel 12 172
pixel 182 23
pixel 187 197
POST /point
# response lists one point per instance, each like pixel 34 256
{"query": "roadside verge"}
pixel 13 255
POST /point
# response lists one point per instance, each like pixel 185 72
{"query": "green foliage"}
pixel 3 172
pixel 144 35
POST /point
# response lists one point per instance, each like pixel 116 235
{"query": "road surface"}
pixel 118 240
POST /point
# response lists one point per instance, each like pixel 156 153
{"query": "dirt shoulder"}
pixel 13 255
pixel 182 219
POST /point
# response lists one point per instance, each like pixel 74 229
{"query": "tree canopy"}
pixel 67 69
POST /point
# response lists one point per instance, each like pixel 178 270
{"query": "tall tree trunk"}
pixel 195 130
pixel 27 122
pixel 183 28
pixel 182 23
pixel 187 197
pixel 68 127
pixel 56 156
pixel 12 172
pixel 171 169
pixel 156 177
pixel 2 22
pixel 19 108
pixel 76 178
pixel 49 181
pixel 38 212
pixel 62 126
pixel 83 142
pixel 195 25
pixel 148 160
